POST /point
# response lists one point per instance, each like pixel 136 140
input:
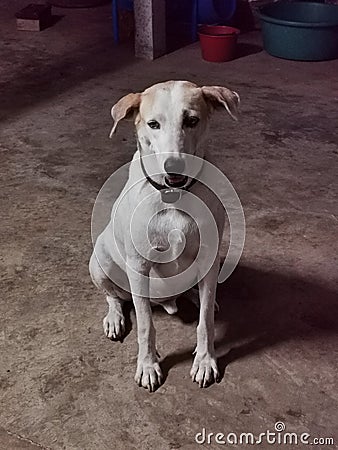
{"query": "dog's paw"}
pixel 114 325
pixel 149 375
pixel 204 370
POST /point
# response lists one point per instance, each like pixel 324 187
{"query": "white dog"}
pixel 153 264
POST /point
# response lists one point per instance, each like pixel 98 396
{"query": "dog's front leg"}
pixel 148 372
pixel 204 369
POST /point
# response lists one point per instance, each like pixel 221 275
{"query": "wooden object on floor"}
pixel 34 17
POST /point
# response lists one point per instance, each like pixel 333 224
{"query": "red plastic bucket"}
pixel 218 43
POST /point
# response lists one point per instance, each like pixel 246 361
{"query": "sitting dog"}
pixel 157 260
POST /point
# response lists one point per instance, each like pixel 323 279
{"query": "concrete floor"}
pixel 63 384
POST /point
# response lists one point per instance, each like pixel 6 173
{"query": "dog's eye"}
pixel 190 121
pixel 154 124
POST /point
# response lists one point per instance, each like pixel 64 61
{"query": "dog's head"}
pixel 171 119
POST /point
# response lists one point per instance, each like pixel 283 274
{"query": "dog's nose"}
pixel 174 166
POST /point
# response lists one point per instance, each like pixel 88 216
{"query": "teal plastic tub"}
pixel 305 31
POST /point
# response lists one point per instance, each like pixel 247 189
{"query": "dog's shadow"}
pixel 260 309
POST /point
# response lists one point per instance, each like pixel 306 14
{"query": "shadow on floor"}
pixel 261 309
pixel 246 49
pixel 55 19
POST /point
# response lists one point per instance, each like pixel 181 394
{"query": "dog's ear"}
pixel 219 96
pixel 126 106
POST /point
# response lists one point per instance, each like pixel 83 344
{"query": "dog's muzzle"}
pixel 175 183
pixel 174 168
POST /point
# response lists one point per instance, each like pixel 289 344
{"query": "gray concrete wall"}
pixel 150 40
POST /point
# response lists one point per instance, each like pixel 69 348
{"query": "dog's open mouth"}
pixel 177 181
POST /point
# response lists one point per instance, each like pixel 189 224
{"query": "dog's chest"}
pixel 173 229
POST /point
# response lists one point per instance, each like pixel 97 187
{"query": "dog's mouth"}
pixel 175 180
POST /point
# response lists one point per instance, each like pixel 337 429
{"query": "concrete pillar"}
pixel 150 36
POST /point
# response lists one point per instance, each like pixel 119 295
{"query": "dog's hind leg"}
pixel 169 305
pixel 114 321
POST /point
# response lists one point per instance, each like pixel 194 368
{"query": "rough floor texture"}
pixel 63 384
